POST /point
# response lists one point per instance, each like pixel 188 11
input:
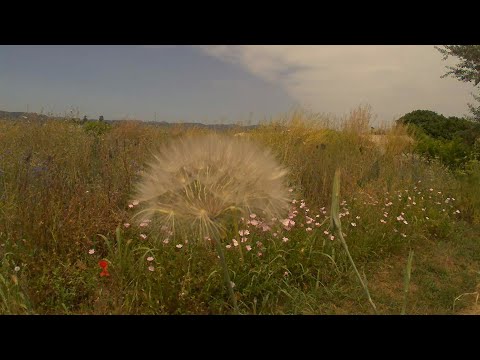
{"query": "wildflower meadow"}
pixel 304 214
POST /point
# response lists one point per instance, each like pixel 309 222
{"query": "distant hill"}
pixel 19 115
pixel 24 116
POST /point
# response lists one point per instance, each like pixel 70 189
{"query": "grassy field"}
pixel 66 203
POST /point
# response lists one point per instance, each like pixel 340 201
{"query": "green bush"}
pixel 452 140
pixel 469 178
pixel 96 127
pixel 440 127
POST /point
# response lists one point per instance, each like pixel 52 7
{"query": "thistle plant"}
pixel 198 187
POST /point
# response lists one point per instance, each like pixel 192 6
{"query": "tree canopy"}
pixel 441 127
pixel 454 141
pixel 467 70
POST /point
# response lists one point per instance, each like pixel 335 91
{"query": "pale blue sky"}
pixel 214 84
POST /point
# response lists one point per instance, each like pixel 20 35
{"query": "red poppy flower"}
pixel 103 264
pixel 105 273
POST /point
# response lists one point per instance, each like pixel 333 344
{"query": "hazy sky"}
pixel 226 83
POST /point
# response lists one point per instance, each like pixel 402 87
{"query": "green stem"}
pixel 237 237
pixel 345 246
pixel 337 226
pixel 408 272
pixel 226 275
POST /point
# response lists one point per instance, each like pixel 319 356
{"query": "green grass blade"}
pixel 406 287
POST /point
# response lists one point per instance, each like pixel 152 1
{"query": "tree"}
pixel 452 140
pixel 468 70
pixel 438 126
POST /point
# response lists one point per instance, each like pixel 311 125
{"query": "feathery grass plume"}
pixel 196 184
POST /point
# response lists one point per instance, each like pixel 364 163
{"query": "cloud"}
pixel 334 79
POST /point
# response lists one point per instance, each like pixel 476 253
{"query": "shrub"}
pixel 96 127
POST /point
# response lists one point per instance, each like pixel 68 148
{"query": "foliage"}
pixel 96 127
pixel 452 140
pixel 467 70
pixel 66 204
pixel 438 126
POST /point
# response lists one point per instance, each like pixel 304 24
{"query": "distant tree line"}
pixel 85 119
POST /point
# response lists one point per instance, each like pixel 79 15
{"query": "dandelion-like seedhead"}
pixel 196 185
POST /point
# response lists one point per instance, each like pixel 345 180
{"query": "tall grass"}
pixel 65 190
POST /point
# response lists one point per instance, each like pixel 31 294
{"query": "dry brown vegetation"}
pixel 61 186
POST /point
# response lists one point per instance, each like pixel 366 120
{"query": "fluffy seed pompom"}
pixel 196 184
